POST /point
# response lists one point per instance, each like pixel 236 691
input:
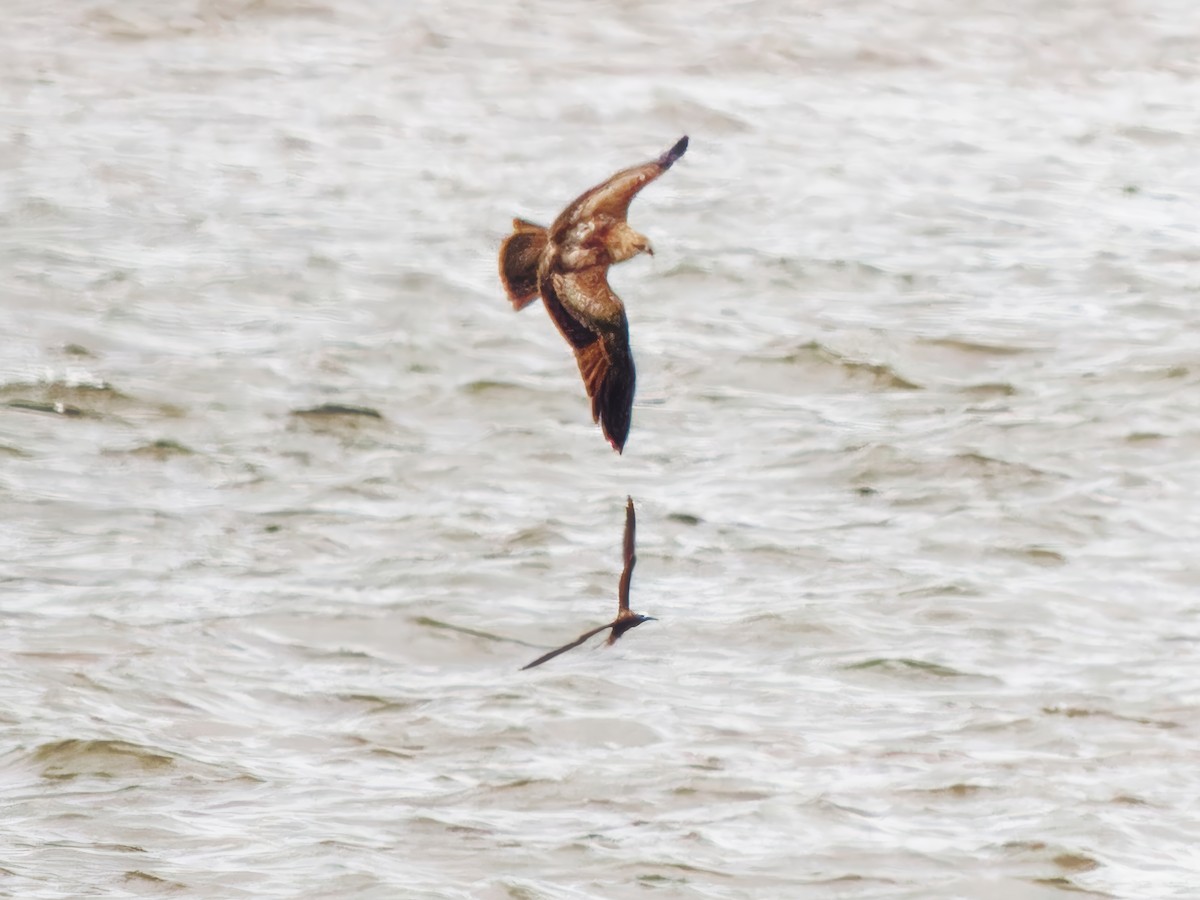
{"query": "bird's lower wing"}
pixel 605 361
pixel 571 646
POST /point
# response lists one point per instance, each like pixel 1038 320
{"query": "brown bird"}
pixel 625 619
pixel 567 264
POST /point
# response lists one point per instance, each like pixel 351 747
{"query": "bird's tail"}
pixel 519 255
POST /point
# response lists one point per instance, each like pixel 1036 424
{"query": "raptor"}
pixel 626 619
pixel 567 265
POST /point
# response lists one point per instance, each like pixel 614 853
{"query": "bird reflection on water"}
pixel 626 619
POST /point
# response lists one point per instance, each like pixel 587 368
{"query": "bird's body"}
pixel 567 265
pixel 626 618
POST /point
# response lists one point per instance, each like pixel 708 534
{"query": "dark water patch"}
pixel 689 267
pixel 393 753
pixel 957 791
pixel 684 518
pixel 78 400
pixel 974 348
pixel 1066 884
pixel 489 386
pixel 987 390
pixel 722 794
pixel 821 360
pixel 1072 712
pixel 98 758
pixel 337 410
pixel 1075 862
pixel 62 391
pixel 347 423
pixel 851 879
pixel 138 879
pixel 679 867
pixel 1146 134
pixel 1152 374
pixel 160 450
pixel 136 28
pixel 375 703
pixel 78 350
pixel 56 409
pixel 535 536
pixel 1039 556
pixel 880 462
pixel 1129 800
pixel 948 589
pixel 13 452
pixel 1062 858
pixel 452 827
pixel 907 666
pixel 991 468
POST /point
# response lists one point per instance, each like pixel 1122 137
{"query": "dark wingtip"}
pixel 668 158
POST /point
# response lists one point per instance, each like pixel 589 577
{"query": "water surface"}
pixel 290 493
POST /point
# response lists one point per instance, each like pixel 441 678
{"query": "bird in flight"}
pixel 567 264
pixel 625 619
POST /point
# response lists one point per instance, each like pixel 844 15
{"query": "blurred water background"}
pixel 288 492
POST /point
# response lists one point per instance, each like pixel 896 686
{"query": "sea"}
pixel 289 493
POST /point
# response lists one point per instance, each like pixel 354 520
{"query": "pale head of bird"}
pixel 623 243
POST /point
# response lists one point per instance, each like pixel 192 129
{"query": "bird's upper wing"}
pixel 612 198
pixel 601 346
pixel 563 649
pixel 630 557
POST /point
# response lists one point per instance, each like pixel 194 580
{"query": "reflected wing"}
pixel 601 346
pixel 612 198
pixel 630 558
pixel 563 649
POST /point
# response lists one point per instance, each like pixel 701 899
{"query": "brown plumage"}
pixel 567 264
pixel 626 619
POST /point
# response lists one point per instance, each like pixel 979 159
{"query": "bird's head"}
pixel 623 243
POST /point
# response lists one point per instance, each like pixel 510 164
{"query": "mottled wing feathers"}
pixel 612 198
pixel 519 257
pixel 601 347
pixel 578 334
pixel 630 557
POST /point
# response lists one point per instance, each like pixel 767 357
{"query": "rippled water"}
pixel 289 493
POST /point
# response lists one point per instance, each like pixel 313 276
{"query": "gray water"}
pixel 915 450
